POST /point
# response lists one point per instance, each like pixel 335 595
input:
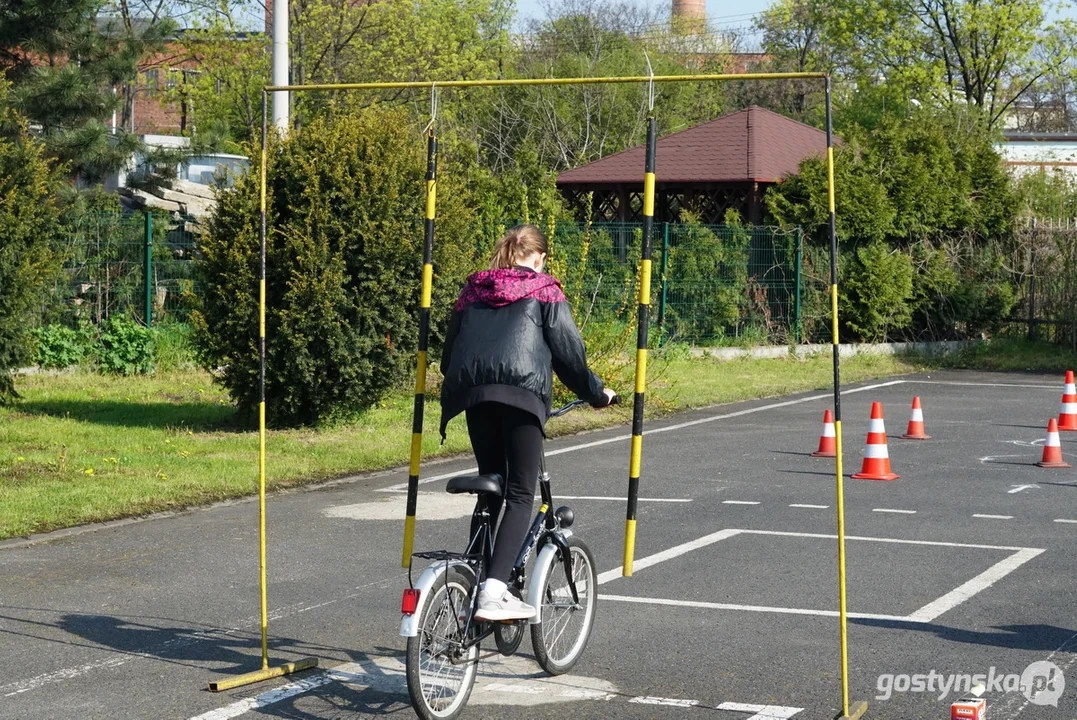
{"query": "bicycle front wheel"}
pixel 440 666
pixel 564 626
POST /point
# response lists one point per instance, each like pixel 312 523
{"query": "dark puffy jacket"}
pixel 510 330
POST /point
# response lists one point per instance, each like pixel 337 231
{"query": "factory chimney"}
pixel 689 15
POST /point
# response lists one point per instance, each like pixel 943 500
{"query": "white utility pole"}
pixel 280 65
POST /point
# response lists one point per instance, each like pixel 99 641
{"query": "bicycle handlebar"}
pixel 616 399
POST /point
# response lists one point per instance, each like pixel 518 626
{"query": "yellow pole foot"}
pixel 856 711
pixel 263 674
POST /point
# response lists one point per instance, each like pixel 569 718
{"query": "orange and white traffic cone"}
pixel 876 465
pixel 1052 449
pixel 1067 415
pixel 828 446
pixel 916 423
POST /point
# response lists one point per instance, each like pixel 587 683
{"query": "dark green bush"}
pixel 58 346
pixel 124 347
pixel 875 292
pixel 345 208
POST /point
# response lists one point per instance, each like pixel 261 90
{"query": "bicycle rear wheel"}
pixel 440 668
pixel 564 626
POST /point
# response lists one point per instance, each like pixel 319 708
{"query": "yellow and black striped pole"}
pixel 641 350
pixel 306 663
pixel 860 707
pixel 424 332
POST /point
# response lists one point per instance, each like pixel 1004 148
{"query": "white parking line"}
pixel 645 700
pixel 749 608
pixel 400 487
pixel 762 712
pixel 993 517
pixel 891 510
pixel 740 502
pixel 926 614
pixel 1064 520
pixel 972 384
pixel 813 507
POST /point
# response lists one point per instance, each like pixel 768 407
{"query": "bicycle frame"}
pixel 545 533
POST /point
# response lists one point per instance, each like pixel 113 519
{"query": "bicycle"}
pixel 438 608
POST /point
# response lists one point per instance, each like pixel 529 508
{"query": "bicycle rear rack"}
pixel 446 555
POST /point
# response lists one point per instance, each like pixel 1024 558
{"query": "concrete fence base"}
pixel 844 350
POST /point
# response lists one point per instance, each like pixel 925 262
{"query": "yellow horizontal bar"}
pixel 547 81
pixel 266 674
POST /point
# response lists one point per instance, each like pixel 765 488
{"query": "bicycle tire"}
pixel 560 636
pixel 440 672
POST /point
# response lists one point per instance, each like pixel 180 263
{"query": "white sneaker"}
pixel 506 607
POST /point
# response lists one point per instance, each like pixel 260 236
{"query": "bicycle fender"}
pixel 409 624
pixel 546 558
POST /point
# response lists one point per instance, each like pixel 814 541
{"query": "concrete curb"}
pixel 844 350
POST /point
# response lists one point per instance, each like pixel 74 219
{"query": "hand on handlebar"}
pixel 612 398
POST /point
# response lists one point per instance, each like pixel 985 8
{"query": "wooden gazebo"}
pixel 725 163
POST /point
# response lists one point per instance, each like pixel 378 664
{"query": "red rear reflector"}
pixel 410 602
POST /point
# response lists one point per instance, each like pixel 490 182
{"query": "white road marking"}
pixel 442 506
pixel 1063 520
pixel 1019 488
pixel 748 608
pixel 993 458
pixel 501 681
pixel 762 712
pixel 643 700
pixel 927 613
pixel 1006 703
pixel 669 554
pixel 401 487
pixel 972 384
pixel 993 517
pixel 892 510
pixel 740 502
pixel 813 507
pixel 984 580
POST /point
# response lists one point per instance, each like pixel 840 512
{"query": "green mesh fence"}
pixel 104 259
pixel 711 284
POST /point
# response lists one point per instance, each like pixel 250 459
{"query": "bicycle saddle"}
pixel 490 484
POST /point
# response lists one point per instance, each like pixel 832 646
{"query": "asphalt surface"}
pixel 132 621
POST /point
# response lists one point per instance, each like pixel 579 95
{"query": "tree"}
pixel 223 96
pixel 344 262
pixel 68 61
pixel 568 126
pixel 907 179
pixel 27 221
pixel 986 54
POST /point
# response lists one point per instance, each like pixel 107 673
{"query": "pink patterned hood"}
pixel 498 288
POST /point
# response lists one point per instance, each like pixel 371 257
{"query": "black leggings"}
pixel 506 441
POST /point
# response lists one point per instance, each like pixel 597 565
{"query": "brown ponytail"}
pixel 520 242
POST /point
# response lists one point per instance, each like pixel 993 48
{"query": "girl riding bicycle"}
pixel 510 330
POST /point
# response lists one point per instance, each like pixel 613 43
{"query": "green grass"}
pixel 82 447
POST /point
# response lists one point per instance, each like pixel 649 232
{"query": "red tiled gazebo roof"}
pixel 753 145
